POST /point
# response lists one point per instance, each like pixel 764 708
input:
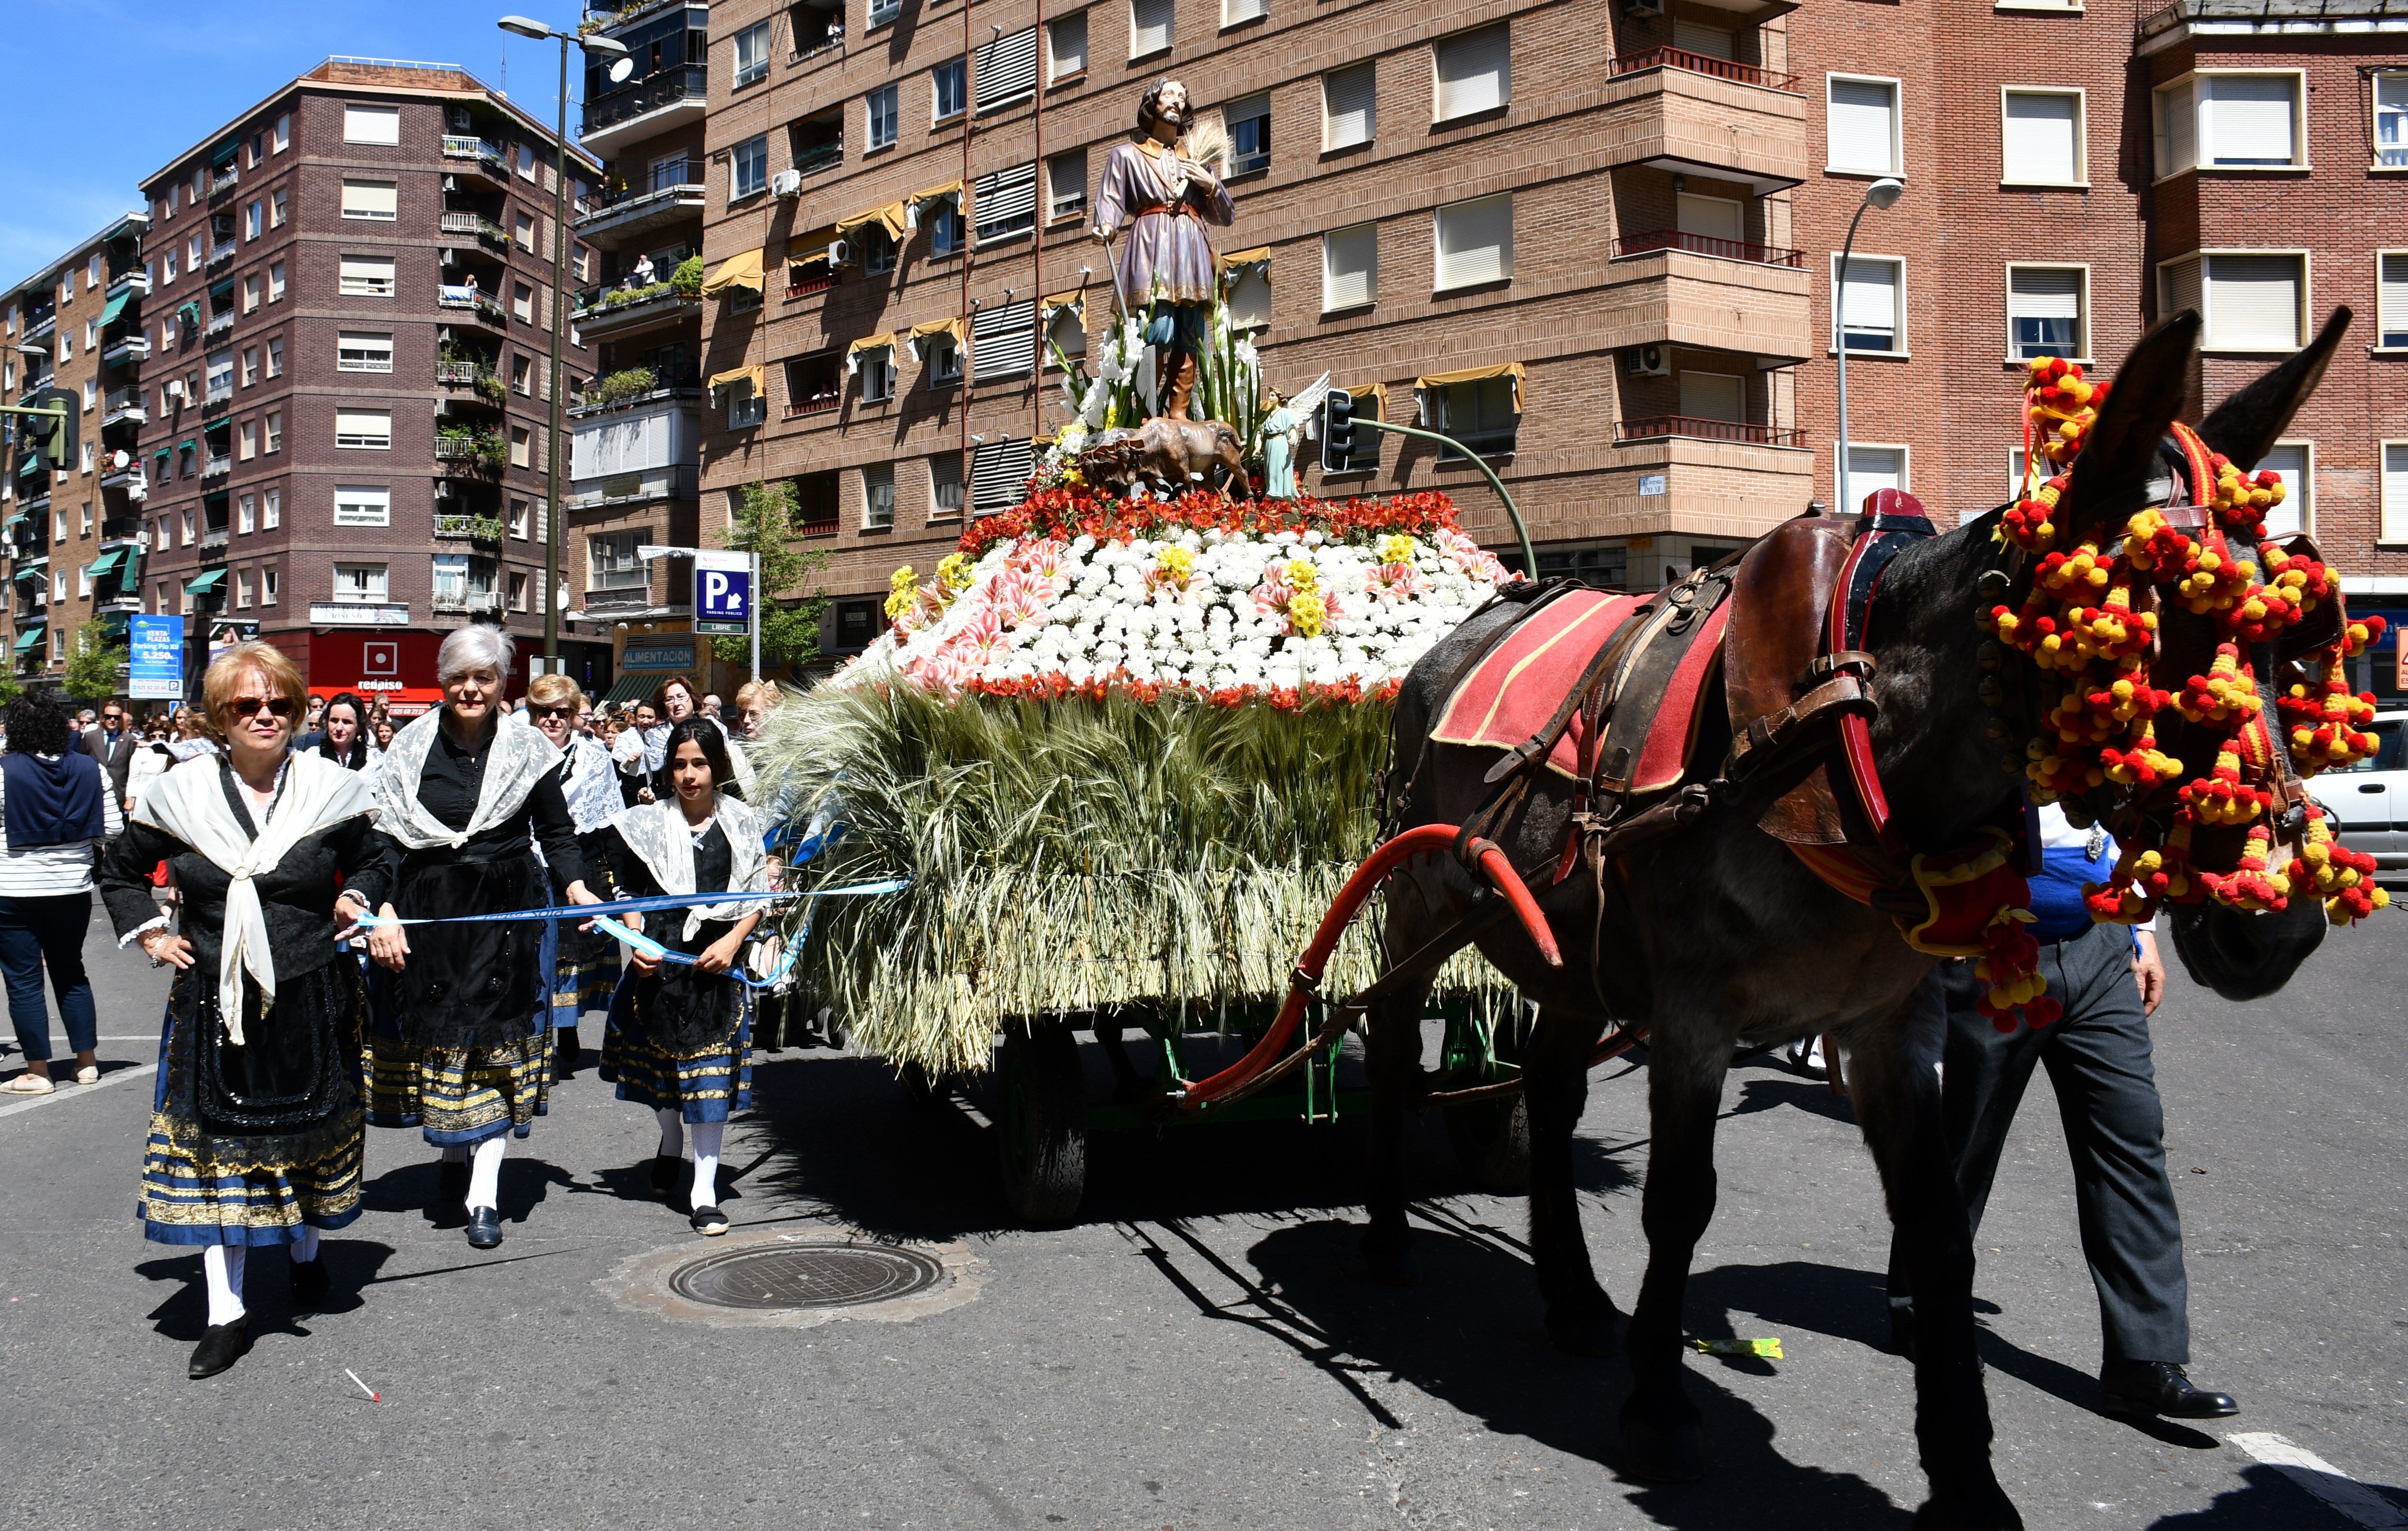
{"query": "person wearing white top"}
pixel 57 811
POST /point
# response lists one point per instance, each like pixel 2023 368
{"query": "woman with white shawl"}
pixel 461 1045
pixel 256 1129
pixel 678 1038
pixel 585 973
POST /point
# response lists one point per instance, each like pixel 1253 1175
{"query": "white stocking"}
pixel 707 1137
pixel 672 1132
pixel 485 1172
pixel 304 1248
pixel 221 1263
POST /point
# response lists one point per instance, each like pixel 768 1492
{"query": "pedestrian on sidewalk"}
pixel 679 1035
pixel 57 812
pixel 256 1126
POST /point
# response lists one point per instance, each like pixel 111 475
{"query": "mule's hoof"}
pixel 1982 1509
pixel 1389 1261
pixel 1586 1330
pixel 1659 1452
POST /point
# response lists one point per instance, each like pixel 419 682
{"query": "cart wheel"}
pixel 832 1027
pixel 1492 1139
pixel 1043 1124
pixel 923 1089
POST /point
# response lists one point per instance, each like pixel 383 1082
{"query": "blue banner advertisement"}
pixel 155 658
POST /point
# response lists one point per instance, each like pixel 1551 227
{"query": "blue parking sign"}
pixel 723 592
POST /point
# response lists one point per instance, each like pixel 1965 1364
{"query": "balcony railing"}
pixel 129 478
pixel 220 393
pixel 662 88
pixel 805 286
pixel 468 528
pixel 455 373
pixel 1657 426
pixel 468 146
pixel 125 404
pixel 220 255
pixel 1707 244
pixel 217 468
pixel 39 324
pixel 219 328
pixel 482 453
pixel 131 281
pixel 1704 64
pixel 824 156
pixel 617 206
pixel 815 404
pixel 125 349
pixel 472 603
pixel 213 537
pixel 484 307
pixel 225 180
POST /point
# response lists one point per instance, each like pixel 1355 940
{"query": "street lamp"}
pixel 1882 193
pixel 528 27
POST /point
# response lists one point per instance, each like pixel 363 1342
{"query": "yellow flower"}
pixel 902 579
pixel 1302 577
pixel 1175 561
pixel 1397 548
pixel 954 572
pixel 1305 610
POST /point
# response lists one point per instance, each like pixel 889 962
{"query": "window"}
pixel 1250 296
pixel 276 283
pixel 1249 123
pixel 242 589
pixel 1869 304
pixel 250 292
pixel 526 162
pixel 1872 469
pixel 522 447
pixel 2041 141
pixel 1863 125
pixel 360 583
pixel 91 392
pixel 1475 242
pixel 1006 202
pixel 169 267
pixel 524 232
pixel 884 11
pixel 523 302
pixel 86 518
pixel 371 124
pixel 2251 302
pixel 1150 26
pixel 748 173
pixel 746 408
pixel 944 486
pixel 92 274
pixel 883 108
pixel 1350 268
pixel 944 227
pixel 276 211
pixel 2294 463
pixel 948 89
pixel 246 514
pixel 1065 185
pixel 1483 414
pixel 1066 331
pixel 2395 492
pixel 251 219
pixel 271 513
pixel 276 356
pixel 2230 121
pixel 2392 299
pixel 517 582
pixel 752 55
pixel 942 365
pixel 1350 107
pixel 2391 121
pixel 878 250
pixel 188 536
pixel 1475 73
pixel 370 428
pixel 612 563
pixel 248 436
pixel 249 365
pixel 2044 312
pixel 1066 44
pixel 877 370
pixel 877 496
pixel 267 585
pixel 1006 71
pixel 999 474
pixel 1003 339
pixel 358 350
pixel 523 376
pixel 369 200
pixel 1238 12
pixel 366 276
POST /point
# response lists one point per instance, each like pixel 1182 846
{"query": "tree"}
pixel 92 668
pixel 766 524
pixel 10 689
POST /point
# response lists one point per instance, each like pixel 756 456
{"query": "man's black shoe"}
pixel 484 1227
pixel 221 1347
pixel 2160 1387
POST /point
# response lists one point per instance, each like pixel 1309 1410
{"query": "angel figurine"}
pixel 1281 431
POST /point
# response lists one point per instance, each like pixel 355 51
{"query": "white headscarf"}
pixel 659 834
pixel 520 758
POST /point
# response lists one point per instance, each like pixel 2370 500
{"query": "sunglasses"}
pixel 551 712
pixel 277 706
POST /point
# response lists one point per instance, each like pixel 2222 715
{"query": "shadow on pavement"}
pixel 183 1314
pixel 2271 1501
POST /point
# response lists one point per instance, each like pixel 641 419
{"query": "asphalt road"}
pixel 1202 1350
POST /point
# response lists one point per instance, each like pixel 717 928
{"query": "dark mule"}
pixel 1719 932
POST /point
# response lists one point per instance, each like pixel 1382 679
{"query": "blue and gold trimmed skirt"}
pixel 585 976
pixel 705 1087
pixel 460 1095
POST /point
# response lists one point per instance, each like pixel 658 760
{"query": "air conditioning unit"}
pixel 1646 361
pixel 174 389
pixel 460 120
pixel 786 184
pixel 841 252
pixel 442 489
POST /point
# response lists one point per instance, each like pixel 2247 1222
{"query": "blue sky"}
pixel 111 89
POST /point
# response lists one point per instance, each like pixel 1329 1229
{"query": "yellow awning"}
pixel 737 272
pixel 913 203
pixel 953 327
pixel 1478 374
pixel 870 343
pixel 892 217
pixel 754 374
pixel 809 249
pixel 1260 255
pixel 1374 390
pixel 1055 303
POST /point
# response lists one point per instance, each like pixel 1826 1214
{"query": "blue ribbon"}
pixel 623 906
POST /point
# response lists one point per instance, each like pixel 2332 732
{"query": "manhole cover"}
pixel 825 1276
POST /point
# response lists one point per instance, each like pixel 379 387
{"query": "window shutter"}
pixel 2249 119
pixel 2042 140
pixel 2178 288
pixel 1069 44
pixel 1350 267
pixel 2395 492
pixel 1713 396
pixel 1149 26
pixel 1871 468
pixel 369 200
pixel 1066 183
pixel 1350 107
pixel 1475 242
pixel 371 124
pixel 1250 298
pixel 1234 11
pixel 1005 201
pixel 371 274
pixel 364 426
pixel 1714 217
pixel 2289 464
pixel 2177 128
pixel 2253 302
pixel 2044 292
pixel 999 474
pixel 1861 134
pixel 1007 70
pixel 1712 42
pixel 1004 343
pixel 2392 303
pixel 1868 296
pixel 1475 72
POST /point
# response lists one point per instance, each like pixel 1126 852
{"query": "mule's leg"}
pixel 1392 1056
pixel 1688 1056
pixel 1555 1083
pixel 1897 1096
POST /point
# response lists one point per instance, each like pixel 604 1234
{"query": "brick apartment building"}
pixel 347 389
pixel 1629 214
pixel 76 325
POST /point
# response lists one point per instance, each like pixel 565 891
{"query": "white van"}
pixel 2370 799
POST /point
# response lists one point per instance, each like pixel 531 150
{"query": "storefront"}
pixel 647 658
pixel 397 667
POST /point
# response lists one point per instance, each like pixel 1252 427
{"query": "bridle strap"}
pixel 1894 521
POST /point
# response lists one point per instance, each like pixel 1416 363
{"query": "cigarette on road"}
pixel 363 1386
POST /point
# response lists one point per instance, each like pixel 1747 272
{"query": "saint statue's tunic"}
pixel 1165 212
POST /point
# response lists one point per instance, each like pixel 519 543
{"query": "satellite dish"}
pixel 621 69
pixel 118 459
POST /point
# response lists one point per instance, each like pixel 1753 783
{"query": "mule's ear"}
pixel 2245 426
pixel 2148 392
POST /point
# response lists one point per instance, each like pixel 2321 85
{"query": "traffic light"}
pixel 51 437
pixel 1337 430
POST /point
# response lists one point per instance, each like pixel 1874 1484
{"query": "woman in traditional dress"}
pixel 459 1047
pixel 586 972
pixel 678 1040
pixel 256 1129
pixel 342 733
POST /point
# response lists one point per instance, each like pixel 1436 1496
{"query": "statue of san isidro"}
pixel 1166 265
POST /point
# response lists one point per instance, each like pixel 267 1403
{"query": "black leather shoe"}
pixel 222 1345
pixel 565 1049
pixel 709 1221
pixel 2160 1387
pixel 309 1282
pixel 484 1227
pixel 451 1183
pixel 665 1169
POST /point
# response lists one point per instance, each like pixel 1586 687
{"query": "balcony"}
pixel 469 452
pixel 219 328
pixel 612 314
pixel 638 488
pixel 129 478
pixel 476 224
pixel 1666 475
pixel 1657 427
pixel 467 528
pixel 665 99
pixel 220 255
pixel 686 389
pixel 630 216
pixel 126 349
pixel 449 602
pixel 826 401
pixel 39 324
pixel 1676 296
pixel 216 467
pixel 485 308
pixel 1669 109
pixel 125 404
pixel 457 374
pixel 133 283
pixel 1707 244
pixel 225 180
pixel 213 541
pixel 804 280
pixel 219 395
pixel 826 155
pixel 120 530
pixel 489 156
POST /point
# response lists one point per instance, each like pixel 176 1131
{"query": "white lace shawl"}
pixel 519 760
pixel 589 784
pixel 658 834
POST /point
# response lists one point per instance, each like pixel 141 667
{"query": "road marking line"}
pixel 74 1092
pixel 2345 1494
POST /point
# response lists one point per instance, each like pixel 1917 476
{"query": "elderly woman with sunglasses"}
pixel 586 970
pixel 459 1046
pixel 256 1127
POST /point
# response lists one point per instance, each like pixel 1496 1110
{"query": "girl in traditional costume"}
pixel 256 1129
pixel 460 1046
pixel 679 1039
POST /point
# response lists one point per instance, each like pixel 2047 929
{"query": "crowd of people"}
pixel 315 870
